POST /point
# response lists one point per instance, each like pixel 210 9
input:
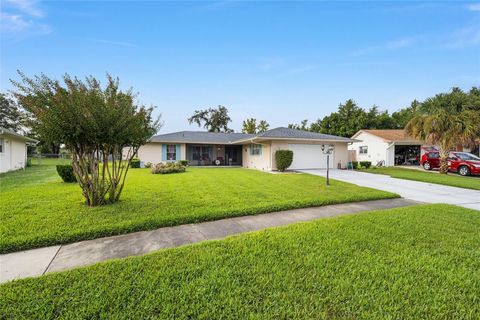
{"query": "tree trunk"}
pixel 55 148
pixel 101 180
pixel 443 160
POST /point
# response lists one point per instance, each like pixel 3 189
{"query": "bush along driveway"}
pixel 40 210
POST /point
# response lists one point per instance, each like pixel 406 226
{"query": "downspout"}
pixel 387 158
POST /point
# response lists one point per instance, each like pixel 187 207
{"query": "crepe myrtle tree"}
pixel 96 123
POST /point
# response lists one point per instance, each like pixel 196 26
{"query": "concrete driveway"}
pixel 413 190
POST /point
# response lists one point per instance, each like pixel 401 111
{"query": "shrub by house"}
pixel 365 164
pixel 135 163
pixel 168 167
pixel 283 159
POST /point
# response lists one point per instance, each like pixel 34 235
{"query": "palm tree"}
pixel 446 120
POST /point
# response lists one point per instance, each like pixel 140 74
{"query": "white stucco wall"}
pixel 377 149
pixel 259 162
pixel 14 155
pixel 152 152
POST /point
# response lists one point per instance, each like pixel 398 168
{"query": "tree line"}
pixel 350 117
pixel 346 121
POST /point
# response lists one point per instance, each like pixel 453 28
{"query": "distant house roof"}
pixel 390 135
pixel 11 133
pixel 232 138
pixel 288 133
pixel 201 137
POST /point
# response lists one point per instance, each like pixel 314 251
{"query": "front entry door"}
pixel 233 155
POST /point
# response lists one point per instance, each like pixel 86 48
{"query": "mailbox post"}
pixel 328 149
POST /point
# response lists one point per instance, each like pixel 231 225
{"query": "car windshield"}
pixel 467 156
pixel 433 155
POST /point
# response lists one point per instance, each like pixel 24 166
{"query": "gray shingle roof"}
pixel 282 132
pixel 225 138
pixel 200 137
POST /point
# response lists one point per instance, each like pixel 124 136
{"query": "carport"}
pixel 407 155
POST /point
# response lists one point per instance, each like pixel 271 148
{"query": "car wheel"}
pixel 464 171
pixel 426 166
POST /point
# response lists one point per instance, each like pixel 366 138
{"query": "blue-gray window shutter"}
pixel 164 152
pixel 178 151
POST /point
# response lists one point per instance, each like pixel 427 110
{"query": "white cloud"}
pixel 218 5
pixel 14 22
pixel 20 18
pixel 272 63
pixel 28 7
pixel 465 37
pixel 393 45
pixel 399 43
pixel 282 67
pixel 116 43
pixel 473 7
pixel 302 69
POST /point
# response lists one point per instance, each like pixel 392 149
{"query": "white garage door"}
pixel 309 156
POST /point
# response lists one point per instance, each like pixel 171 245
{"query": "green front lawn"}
pixel 417 262
pixel 37 209
pixel 451 179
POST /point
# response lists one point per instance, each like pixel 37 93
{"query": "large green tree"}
pixel 447 120
pixel 262 126
pixel 376 119
pixel 12 116
pixel 212 119
pixel 101 125
pixel 303 125
pixel 401 117
pixel 348 119
pixel 250 126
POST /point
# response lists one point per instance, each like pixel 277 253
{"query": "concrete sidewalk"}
pixel 36 262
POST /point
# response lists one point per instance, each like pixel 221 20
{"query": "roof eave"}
pixel 18 136
pixel 346 140
pixel 191 142
pixel 407 141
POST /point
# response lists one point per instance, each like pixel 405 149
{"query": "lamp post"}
pixel 327 149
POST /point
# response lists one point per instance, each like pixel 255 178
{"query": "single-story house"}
pixel 247 150
pixel 393 147
pixel 13 150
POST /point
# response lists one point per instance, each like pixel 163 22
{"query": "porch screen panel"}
pixel 200 155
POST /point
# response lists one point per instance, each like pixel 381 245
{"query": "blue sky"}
pixel 279 61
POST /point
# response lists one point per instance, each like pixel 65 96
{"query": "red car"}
pixel 462 162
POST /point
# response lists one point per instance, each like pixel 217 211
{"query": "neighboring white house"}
pixel 393 147
pixel 13 150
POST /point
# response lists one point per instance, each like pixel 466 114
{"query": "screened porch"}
pixel 214 155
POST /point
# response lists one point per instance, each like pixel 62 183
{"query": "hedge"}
pixel 65 171
pixel 283 159
pixel 135 163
